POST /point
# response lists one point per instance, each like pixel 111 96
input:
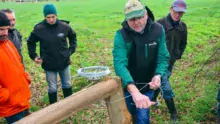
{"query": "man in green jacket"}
pixel 140 59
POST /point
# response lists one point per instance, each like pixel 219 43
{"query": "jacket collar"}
pixel 10 30
pixel 3 41
pixel 169 25
pixel 49 25
pixel 146 29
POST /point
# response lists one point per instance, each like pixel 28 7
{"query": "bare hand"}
pixel 155 83
pixel 38 60
pixel 141 101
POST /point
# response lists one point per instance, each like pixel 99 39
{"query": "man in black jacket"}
pixel 176 40
pixel 54 50
pixel 13 34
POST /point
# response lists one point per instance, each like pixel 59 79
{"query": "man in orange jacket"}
pixel 14 81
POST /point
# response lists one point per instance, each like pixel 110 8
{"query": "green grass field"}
pixel 96 21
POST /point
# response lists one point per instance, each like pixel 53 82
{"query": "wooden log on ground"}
pixel 64 108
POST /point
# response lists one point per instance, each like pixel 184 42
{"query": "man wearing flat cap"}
pixel 140 59
pixel 13 34
pixel 55 50
pixel 176 40
pixel 14 81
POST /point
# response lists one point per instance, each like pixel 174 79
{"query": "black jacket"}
pixel 54 48
pixel 16 38
pixel 148 55
pixel 176 38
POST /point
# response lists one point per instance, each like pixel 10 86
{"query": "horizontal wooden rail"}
pixel 64 108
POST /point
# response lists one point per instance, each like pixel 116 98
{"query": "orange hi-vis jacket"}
pixel 14 81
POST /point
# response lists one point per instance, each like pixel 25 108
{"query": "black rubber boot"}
pixel 172 109
pixel 52 97
pixel 67 92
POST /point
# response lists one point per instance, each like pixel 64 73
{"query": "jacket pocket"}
pixel 14 97
pixel 177 54
pixel 4 95
pixel 65 53
pixel 152 49
pixel 146 50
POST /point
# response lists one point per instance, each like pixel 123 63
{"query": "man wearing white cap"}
pixel 140 59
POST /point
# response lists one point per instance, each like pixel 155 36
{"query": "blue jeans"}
pixel 167 91
pixel 15 117
pixel 142 115
pixel 51 77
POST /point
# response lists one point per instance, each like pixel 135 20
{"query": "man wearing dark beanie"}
pixel 4 24
pixel 49 9
pixel 54 58
pixel 14 81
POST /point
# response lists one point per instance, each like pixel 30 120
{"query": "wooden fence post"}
pixel 117 109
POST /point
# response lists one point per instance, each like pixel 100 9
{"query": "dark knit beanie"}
pixel 4 19
pixel 49 9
